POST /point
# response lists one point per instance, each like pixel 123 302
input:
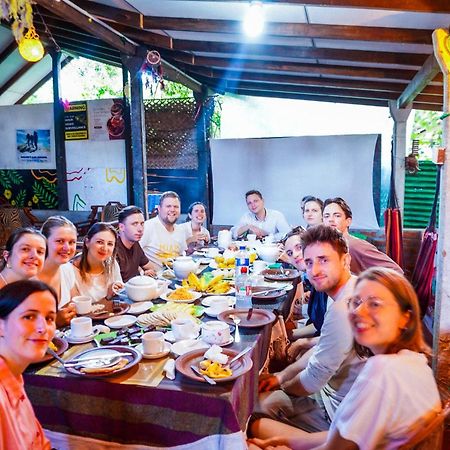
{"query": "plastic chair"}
pixel 428 436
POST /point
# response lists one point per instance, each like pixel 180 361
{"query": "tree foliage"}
pixel 427 129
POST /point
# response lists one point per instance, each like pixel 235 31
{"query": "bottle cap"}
pixel 244 269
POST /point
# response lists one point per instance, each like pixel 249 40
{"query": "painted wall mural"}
pixel 34 188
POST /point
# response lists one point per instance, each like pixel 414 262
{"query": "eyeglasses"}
pixel 373 304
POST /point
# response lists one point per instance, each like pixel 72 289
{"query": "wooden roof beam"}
pixel 75 15
pixel 432 6
pixel 313 31
pixel 427 73
pixel 397 87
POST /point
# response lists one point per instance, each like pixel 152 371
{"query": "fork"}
pixel 206 378
pixel 237 321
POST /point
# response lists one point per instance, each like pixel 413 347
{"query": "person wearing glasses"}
pixel 337 214
pixel 396 390
pixel 307 397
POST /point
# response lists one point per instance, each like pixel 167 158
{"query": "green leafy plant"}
pixel 46 193
pixel 427 129
pixel 20 198
pixel 10 177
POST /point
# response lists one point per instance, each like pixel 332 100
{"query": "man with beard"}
pixel 308 398
pixel 162 238
pixel 130 256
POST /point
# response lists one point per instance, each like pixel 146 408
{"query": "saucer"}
pixel 140 307
pixel 212 312
pixel 166 351
pixel 118 322
pixel 224 344
pixel 80 340
pixel 187 345
pixel 169 337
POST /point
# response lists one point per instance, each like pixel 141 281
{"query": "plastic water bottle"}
pixel 242 260
pixel 243 285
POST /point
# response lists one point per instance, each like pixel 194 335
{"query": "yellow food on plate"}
pixel 214 369
pixel 225 263
pixel 214 286
pixel 52 346
pixel 182 293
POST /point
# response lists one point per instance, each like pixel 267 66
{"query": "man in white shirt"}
pixel 337 214
pixel 308 398
pixel 259 220
pixel 162 239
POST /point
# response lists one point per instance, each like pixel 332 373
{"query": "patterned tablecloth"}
pixel 130 409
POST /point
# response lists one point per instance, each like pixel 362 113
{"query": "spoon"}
pixel 237 321
pixel 206 378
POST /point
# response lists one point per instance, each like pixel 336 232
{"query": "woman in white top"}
pixel 196 233
pixel 23 257
pixel 97 273
pixel 395 391
pixel 58 272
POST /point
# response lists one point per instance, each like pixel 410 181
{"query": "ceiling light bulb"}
pixel 254 19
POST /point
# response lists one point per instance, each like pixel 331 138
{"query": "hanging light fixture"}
pixel 30 47
pixel 254 19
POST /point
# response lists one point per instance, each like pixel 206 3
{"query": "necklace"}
pixel 3 278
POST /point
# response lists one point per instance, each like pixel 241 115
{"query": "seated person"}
pixel 312 209
pixel 307 397
pixel 58 272
pixel 130 256
pixel 97 273
pixel 163 239
pixel 337 214
pixel 259 220
pixel 396 390
pixel 27 326
pixel 196 233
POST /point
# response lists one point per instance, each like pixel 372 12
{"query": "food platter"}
pixel 184 362
pixel 132 356
pixel 280 275
pixel 110 309
pixel 195 296
pixel 259 317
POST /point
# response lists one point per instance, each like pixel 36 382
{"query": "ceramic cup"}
pixel 184 328
pixel 83 304
pixel 81 327
pixel 259 266
pixel 216 332
pixel 153 342
pixel 219 304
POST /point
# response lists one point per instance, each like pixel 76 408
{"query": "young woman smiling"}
pixel 27 325
pixel 395 390
pixel 58 273
pixel 97 273
pixel 23 257
pixel 193 227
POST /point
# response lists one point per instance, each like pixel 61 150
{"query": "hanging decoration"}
pixel 152 72
pixel 20 12
pixel 30 47
pixel 411 161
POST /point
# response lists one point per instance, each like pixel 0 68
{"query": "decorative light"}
pixel 30 47
pixel 254 19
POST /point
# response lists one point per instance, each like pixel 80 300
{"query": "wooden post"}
pixel 441 329
pixel 138 172
pixel 60 143
pixel 400 116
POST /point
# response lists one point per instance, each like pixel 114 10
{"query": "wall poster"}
pixel 76 121
pixel 33 146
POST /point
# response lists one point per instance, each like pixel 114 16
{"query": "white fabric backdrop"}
pixel 286 169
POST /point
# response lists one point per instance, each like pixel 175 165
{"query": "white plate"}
pixel 124 320
pixel 230 341
pixel 168 336
pixel 166 351
pixel 140 307
pixel 101 353
pixel 226 273
pixel 196 295
pixel 81 340
pixel 229 292
pixel 208 301
pixel 182 347
pixel 211 312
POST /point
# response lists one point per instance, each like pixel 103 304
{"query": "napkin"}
pixel 169 369
pixel 215 354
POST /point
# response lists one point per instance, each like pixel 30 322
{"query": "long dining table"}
pixel 141 409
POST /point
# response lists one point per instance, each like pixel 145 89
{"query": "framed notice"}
pixel 33 146
pixel 76 122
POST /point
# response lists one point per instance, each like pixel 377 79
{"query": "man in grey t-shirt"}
pixel 308 398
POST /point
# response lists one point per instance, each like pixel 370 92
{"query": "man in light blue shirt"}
pixel 259 220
